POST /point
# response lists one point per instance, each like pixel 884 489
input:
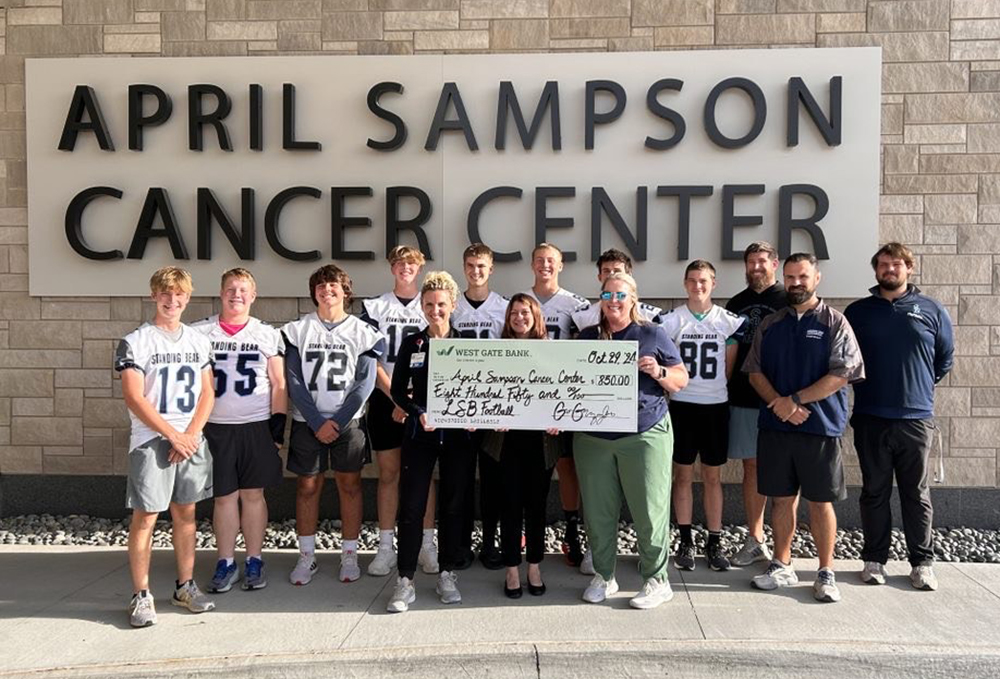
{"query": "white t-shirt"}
pixel 558 312
pixel 329 358
pixel 482 322
pixel 172 372
pixel 592 315
pixel 242 386
pixel 395 320
pixel 702 346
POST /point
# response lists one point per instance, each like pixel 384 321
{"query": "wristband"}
pixel 663 373
pixel 277 426
pixel 795 399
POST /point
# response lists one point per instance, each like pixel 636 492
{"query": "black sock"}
pixel 181 584
pixel 714 538
pixel 572 524
pixel 685 529
pixel 140 593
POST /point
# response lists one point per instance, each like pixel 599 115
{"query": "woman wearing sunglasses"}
pixel 526 461
pixel 634 465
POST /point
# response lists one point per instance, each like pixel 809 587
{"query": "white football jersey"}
pixel 329 358
pixel 702 346
pixel 242 387
pixel 484 322
pixel 395 321
pixel 592 315
pixel 558 312
pixel 172 372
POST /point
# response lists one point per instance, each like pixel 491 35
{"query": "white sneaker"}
pixel 922 577
pixel 402 596
pixel 305 569
pixel 825 587
pixel 428 558
pixel 587 565
pixel 447 588
pixel 600 589
pixel 383 563
pixel 654 593
pixel 349 569
pixel 751 551
pixel 777 575
pixel 873 573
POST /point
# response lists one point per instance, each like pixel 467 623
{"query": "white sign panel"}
pixel 282 164
pixel 571 385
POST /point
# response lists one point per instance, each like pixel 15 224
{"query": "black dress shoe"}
pixel 465 560
pixel 513 593
pixel 491 558
pixel 536 590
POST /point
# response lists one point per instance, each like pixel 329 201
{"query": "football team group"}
pixel 763 380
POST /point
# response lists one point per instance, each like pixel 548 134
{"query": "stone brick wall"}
pixel 60 405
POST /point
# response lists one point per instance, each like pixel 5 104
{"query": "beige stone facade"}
pixel 60 403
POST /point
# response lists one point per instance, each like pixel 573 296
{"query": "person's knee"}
pixel 144 520
pixel 252 496
pixel 711 476
pixel 308 487
pixel 750 466
pixel 182 515
pixel 349 485
pixel 228 501
pixel 683 474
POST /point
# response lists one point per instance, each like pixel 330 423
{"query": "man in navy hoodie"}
pixel 907 342
pixel 800 363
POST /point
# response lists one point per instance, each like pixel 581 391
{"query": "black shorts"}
pixel 789 461
pixel 243 456
pixel 700 429
pixel 385 433
pixel 307 456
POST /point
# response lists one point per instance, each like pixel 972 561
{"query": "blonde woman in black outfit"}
pixel 526 462
pixel 423 446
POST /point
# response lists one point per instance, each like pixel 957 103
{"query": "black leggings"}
pixel 526 482
pixel 454 451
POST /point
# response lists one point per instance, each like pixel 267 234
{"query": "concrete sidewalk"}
pixel 62 613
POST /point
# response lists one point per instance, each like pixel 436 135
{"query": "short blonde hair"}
pixel 546 246
pixel 440 280
pixel 406 253
pixel 241 273
pixel 604 330
pixel 170 278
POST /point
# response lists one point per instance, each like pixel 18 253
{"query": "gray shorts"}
pixel 743 433
pixel 153 482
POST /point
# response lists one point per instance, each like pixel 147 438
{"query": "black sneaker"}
pixel 491 558
pixel 684 558
pixel 465 560
pixel 717 561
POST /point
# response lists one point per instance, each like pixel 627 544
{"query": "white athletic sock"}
pixel 307 544
pixel 349 546
pixel 385 538
pixel 428 536
pixel 253 556
pixel 229 561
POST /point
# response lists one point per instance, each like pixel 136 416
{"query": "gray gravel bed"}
pixel 950 544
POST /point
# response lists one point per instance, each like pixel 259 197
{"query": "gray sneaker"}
pixel 447 588
pixel 922 577
pixel 825 587
pixel 751 552
pixel 226 575
pixel 254 574
pixel 873 573
pixel 190 597
pixel 141 610
pixel 777 575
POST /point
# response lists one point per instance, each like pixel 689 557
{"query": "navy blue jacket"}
pixel 794 353
pixel 908 346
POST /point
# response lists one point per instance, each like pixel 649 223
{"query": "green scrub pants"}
pixel 638 467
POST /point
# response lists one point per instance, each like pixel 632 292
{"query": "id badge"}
pixel 417 359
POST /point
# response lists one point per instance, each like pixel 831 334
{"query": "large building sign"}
pixel 281 164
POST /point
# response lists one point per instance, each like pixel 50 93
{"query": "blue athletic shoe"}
pixel 225 577
pixel 254 574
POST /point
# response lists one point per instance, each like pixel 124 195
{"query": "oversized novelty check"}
pixel 572 385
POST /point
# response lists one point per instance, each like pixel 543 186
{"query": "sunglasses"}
pixel 619 295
